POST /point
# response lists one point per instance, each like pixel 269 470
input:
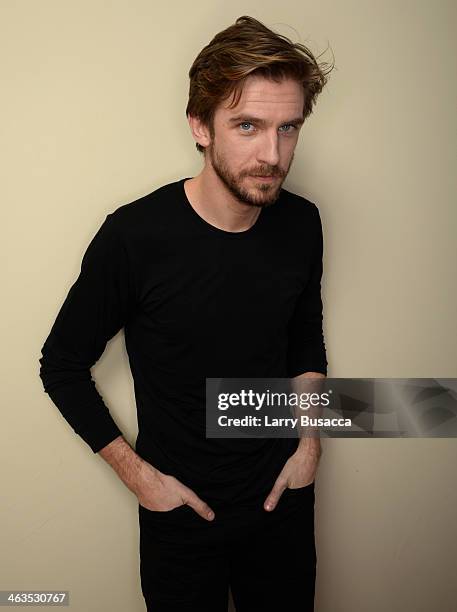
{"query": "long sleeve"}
pixel 306 348
pixel 97 306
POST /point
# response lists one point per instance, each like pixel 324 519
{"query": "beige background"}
pixel 92 117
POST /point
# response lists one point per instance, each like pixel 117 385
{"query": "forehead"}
pixel 266 98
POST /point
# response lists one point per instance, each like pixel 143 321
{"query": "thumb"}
pixel 274 495
pixel 200 507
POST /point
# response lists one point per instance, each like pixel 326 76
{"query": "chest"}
pixel 197 287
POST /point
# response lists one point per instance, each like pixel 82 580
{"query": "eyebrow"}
pixel 259 121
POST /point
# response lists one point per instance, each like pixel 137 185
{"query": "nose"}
pixel 269 150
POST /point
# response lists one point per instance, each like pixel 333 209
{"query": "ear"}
pixel 200 132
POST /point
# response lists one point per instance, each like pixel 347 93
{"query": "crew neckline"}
pixel 213 228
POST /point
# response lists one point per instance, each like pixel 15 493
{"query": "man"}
pixel 214 275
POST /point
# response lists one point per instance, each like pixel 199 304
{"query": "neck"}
pixel 217 205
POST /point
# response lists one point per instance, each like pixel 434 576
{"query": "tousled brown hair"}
pixel 248 47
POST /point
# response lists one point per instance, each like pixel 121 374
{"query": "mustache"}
pixel 260 173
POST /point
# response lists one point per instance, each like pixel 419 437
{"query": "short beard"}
pixel 231 182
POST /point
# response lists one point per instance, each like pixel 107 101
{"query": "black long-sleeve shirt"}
pixel 195 301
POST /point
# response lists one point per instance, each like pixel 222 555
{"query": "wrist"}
pixel 311 447
pixel 125 462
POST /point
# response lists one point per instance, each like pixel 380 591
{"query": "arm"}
pixel 307 350
pixel 310 442
pixel 96 307
pixel 154 489
pixel 306 353
pixel 306 359
pixel 124 461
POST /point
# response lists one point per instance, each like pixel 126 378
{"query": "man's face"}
pixel 257 138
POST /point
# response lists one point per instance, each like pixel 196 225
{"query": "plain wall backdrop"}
pixel 92 117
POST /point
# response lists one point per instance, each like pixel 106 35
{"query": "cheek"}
pixel 288 146
pixel 243 145
pixel 239 155
pixel 233 150
pixel 287 152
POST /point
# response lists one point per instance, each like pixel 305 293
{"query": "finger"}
pixel 274 495
pixel 200 507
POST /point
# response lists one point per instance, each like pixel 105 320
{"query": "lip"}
pixel 267 179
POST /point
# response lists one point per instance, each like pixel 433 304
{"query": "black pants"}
pixel 267 558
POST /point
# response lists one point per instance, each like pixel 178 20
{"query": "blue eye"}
pixel 289 125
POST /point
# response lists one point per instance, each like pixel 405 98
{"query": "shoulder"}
pixel 146 214
pixel 298 210
pixel 298 203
